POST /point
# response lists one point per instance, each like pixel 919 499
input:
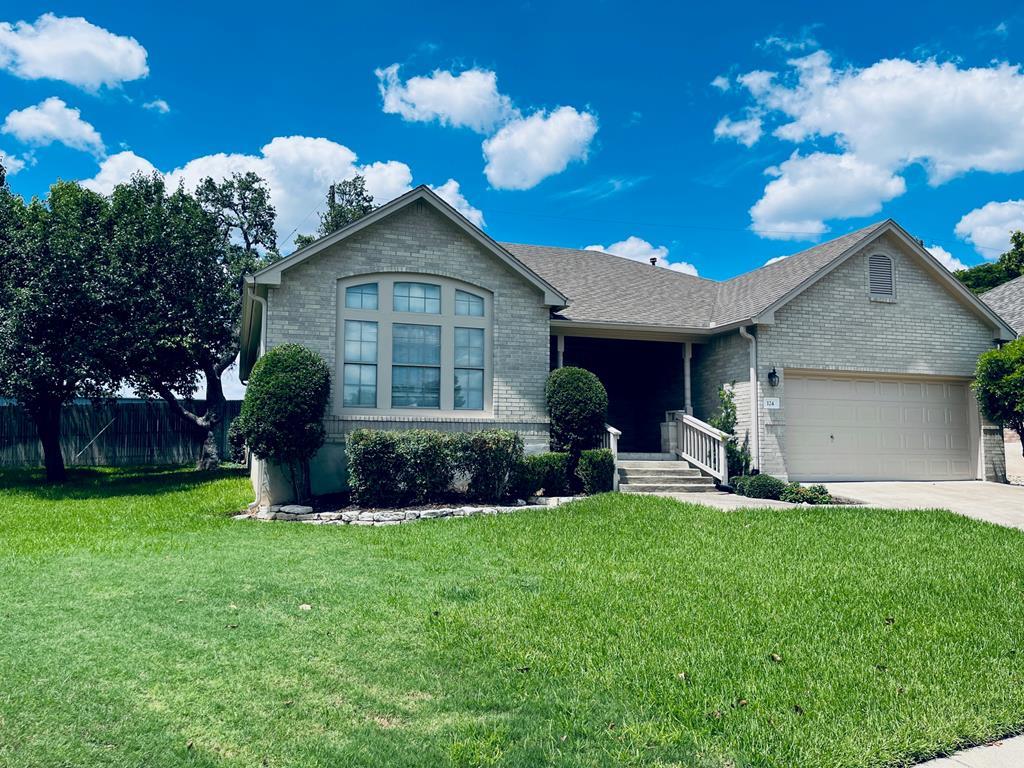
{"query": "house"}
pixel 849 360
pixel 1008 301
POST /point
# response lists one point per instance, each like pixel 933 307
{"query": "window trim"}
pixel 386 316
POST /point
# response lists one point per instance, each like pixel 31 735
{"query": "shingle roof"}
pixel 612 289
pixel 1008 302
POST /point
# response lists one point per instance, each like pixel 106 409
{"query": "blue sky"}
pixel 645 129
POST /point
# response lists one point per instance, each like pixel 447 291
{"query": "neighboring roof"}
pixel 747 295
pixel 605 289
pixel 271 275
pixel 1008 301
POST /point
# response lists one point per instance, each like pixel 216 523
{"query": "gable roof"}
pixel 271 275
pixel 603 288
pixel 1008 300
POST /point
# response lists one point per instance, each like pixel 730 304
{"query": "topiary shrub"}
pixel 282 414
pixel 428 461
pixel 374 466
pixel 578 406
pixel 554 472
pixel 596 470
pixel 761 487
pixel 492 458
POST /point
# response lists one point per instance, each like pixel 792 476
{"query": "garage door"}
pixel 869 428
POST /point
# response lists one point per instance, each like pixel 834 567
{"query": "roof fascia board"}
pixel 271 275
pixel 664 330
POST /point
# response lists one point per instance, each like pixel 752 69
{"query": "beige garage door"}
pixel 871 428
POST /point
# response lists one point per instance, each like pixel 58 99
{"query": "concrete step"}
pixel 666 487
pixel 638 474
pixel 647 456
pixel 638 464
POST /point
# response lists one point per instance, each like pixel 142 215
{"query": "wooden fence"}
pixel 120 433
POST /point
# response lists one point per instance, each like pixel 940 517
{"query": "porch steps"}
pixel 663 475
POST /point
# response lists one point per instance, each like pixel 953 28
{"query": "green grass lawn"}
pixel 139 625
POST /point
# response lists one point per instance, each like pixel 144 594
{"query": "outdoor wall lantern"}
pixel 773 377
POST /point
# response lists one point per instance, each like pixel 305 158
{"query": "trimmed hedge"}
pixel 374 467
pixel 553 470
pixel 596 469
pixel 759 486
pixel 491 458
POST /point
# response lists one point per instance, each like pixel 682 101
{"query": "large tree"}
pixel 56 335
pixel 346 201
pixel 180 259
pixel 985 277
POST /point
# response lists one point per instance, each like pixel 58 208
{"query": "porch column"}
pixel 688 400
pixel 560 340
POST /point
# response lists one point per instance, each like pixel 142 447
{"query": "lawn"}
pixel 139 625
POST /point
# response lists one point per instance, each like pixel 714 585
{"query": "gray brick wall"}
pixel 303 310
pixel 834 325
pixel 722 362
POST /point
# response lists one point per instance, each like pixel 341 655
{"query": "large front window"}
pixel 428 347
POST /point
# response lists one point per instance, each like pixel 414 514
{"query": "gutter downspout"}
pixel 263 348
pixel 755 425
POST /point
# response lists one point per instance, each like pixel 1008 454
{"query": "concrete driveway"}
pixel 994 502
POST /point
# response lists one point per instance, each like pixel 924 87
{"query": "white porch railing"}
pixel 610 440
pixel 700 444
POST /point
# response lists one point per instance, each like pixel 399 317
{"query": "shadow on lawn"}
pixel 110 482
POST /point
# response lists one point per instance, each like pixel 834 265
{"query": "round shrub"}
pixel 578 406
pixel 282 414
pixel 553 471
pixel 596 469
pixel 762 487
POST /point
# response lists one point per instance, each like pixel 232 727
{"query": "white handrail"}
pixel 700 444
pixel 610 440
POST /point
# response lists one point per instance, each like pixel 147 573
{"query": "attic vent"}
pixel 880 282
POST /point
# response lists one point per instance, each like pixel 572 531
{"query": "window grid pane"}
pixel 360 341
pixel 468 304
pixel 361 296
pixel 469 389
pixel 415 387
pixel 469 347
pixel 360 390
pixel 416 344
pixel 417 297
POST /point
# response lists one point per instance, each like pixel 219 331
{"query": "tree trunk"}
pixel 215 406
pixel 46 416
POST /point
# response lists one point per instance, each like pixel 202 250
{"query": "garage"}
pixel 866 427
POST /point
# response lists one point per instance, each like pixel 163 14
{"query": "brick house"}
pixel 849 360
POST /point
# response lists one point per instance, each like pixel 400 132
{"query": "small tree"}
pixel 282 414
pixel 724 419
pixel 578 407
pixel 999 385
pixel 346 201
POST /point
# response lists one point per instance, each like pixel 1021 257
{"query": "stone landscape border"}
pixel 303 514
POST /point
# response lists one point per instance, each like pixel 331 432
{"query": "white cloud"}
pixel 53 120
pixel 451 194
pixel 298 170
pixel 469 99
pixel 638 249
pixel 775 259
pixel 158 105
pixel 529 149
pixel 72 50
pixel 115 169
pixel 12 163
pixel 722 83
pixel 988 228
pixel 945 258
pixel 806 192
pixel 746 132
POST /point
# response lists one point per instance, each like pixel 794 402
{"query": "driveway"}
pixel 994 502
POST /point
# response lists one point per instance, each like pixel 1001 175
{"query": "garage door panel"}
pixel 864 428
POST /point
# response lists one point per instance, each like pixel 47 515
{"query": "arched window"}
pixel 413 342
pixel 881 282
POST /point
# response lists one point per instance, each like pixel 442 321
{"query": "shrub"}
pixel 999 385
pixel 236 441
pixel 374 467
pixel 724 419
pixel 282 414
pixel 578 407
pixel 528 478
pixel 553 469
pixel 491 458
pixel 798 494
pixel 596 470
pixel 761 487
pixel 428 461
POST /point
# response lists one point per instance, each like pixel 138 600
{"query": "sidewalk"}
pixel 1008 753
